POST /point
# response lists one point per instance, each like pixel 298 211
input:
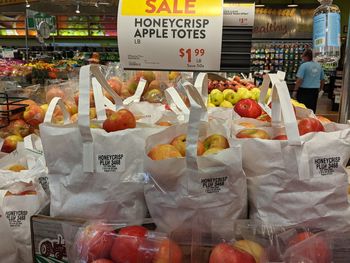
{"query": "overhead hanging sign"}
pixel 236 14
pixel 34 19
pixel 170 34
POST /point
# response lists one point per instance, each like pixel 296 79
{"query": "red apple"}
pixel 307 125
pixel 280 137
pixel 120 120
pixel 95 241
pixel 323 119
pixel 226 253
pixel 314 250
pixel 264 117
pixel 19 127
pixel 127 245
pixel 248 108
pixel 10 143
pixel 34 115
pixel 102 260
pixel 168 252
pixel 253 133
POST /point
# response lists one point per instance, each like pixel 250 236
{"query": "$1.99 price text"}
pixel 189 54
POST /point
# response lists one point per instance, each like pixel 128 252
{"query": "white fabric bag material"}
pixel 21 196
pixel 94 174
pixel 8 248
pixel 212 186
pixel 301 179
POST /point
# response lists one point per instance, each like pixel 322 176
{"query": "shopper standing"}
pixel 310 80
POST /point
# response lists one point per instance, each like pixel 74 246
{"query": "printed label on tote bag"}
pixel 110 163
pixel 324 166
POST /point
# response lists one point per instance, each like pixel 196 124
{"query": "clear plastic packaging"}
pixel 326 34
pixel 99 242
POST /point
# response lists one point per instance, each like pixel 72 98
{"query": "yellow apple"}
pixel 226 104
pixel 243 93
pixel 233 97
pixel 216 141
pixel 255 93
pixel 216 98
pixel 210 105
pixel 180 144
pixel 214 150
pixel 251 247
pixel 214 91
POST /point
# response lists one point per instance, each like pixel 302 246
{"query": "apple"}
pixel 149 76
pixel 164 123
pixel 164 151
pixel 280 137
pixel 226 104
pixel 102 260
pixel 95 241
pixel 180 144
pixel 10 143
pixel 214 91
pixel 17 168
pixel 226 253
pixel 153 96
pixel 216 141
pixel 216 98
pixel 168 252
pixel 173 75
pixel 54 92
pixel 323 119
pixel 127 246
pixel 116 84
pixel 251 247
pixel 91 98
pixel 211 105
pixel 45 107
pixel 248 108
pixel 247 124
pixel 155 84
pixel 255 93
pixel 264 117
pixel 119 120
pixel 34 115
pixel 214 150
pixel 71 107
pixel 243 93
pixel 19 127
pixel 307 125
pixel 131 87
pixel 232 97
pixel 314 250
pixel 253 133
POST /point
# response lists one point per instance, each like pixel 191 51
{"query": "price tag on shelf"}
pixel 236 14
pixel 170 34
pixel 8 53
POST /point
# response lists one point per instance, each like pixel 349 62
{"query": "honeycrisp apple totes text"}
pixel 170 34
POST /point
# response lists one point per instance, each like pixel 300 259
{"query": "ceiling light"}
pixel 259 4
pixel 293 4
pixel 78 9
pixel 27 4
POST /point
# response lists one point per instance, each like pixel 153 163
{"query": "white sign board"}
pixel 239 14
pixel 170 34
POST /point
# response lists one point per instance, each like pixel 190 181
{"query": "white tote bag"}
pixel 8 248
pixel 212 186
pixel 94 174
pixel 300 179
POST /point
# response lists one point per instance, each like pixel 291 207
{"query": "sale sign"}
pixel 170 34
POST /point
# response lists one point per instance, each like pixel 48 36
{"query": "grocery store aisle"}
pixel 324 108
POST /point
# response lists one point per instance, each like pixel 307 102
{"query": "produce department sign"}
pixel 170 34
pixel 283 23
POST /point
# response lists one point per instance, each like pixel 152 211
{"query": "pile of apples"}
pixel 227 93
pixel 154 90
pixel 177 147
pixel 305 126
pixel 101 243
pixel 248 251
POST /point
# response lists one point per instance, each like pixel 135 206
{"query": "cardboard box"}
pixel 48 244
